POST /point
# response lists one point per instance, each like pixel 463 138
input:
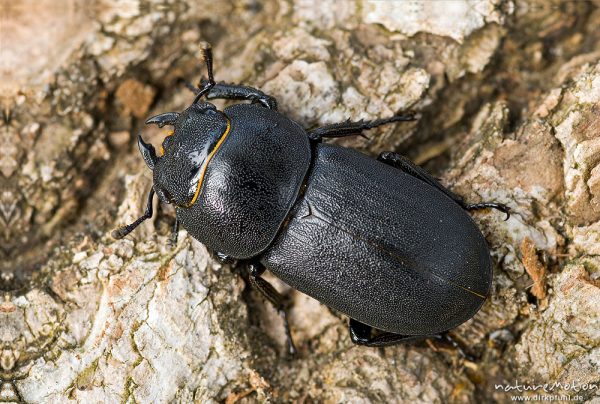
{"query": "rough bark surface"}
pixel 508 93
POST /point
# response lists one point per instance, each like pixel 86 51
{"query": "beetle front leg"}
pixel 349 128
pixel 227 91
pixel 404 164
pixel 211 90
pixel 255 270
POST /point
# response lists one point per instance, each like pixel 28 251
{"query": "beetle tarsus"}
pixel 255 270
pixel 119 233
pixel 125 230
pixel 493 205
pixel 349 128
pixel 361 334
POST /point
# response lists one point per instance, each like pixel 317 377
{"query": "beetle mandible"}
pixel 381 241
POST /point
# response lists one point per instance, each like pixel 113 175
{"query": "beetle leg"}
pixel 348 128
pixel 235 92
pixel 360 334
pixel 404 164
pixel 485 205
pixel 125 230
pixel 272 295
pixel 223 258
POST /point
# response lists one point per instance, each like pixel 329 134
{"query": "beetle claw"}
pixel 119 233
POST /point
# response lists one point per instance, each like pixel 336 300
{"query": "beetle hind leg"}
pixel 255 270
pixel 487 205
pixel 361 334
pixel 404 164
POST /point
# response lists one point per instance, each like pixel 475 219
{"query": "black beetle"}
pixel 379 240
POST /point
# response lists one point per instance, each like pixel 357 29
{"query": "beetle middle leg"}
pixel 404 164
pixel 349 128
pixel 255 270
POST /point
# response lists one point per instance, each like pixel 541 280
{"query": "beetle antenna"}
pixel 207 54
pixel 125 230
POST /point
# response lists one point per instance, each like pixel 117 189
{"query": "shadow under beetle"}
pixel 381 241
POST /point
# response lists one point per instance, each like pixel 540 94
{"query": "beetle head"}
pixel 179 169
